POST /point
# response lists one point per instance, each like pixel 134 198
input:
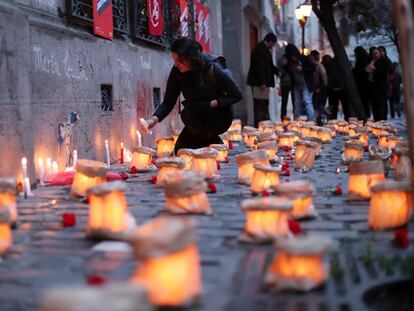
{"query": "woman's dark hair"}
pixel 190 50
pixel 382 48
pixel 270 37
pixel 361 55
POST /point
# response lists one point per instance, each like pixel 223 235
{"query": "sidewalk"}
pixel 47 255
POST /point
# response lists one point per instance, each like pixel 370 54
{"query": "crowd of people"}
pixel 317 85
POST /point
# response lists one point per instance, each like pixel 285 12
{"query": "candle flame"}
pixel 24 161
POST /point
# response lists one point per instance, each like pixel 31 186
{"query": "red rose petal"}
pixel 265 193
pixel 134 170
pixel 218 166
pixel 123 175
pixel 294 227
pixel 153 180
pixel 287 172
pixel 95 280
pixel 227 160
pixel 401 237
pixel 338 190
pixel 68 219
pixel 212 188
pixel 230 145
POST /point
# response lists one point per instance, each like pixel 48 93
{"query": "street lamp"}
pixel 302 13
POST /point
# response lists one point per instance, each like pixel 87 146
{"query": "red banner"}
pixel 102 18
pixel 155 18
pixel 183 18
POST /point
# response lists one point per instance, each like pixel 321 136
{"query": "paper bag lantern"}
pixel 294 126
pixel 114 297
pixel 187 155
pixel 363 135
pixel 391 205
pixel 278 126
pixel 246 162
pixel 204 161
pixel 380 153
pixel 334 123
pixel 402 170
pixel 378 129
pixel 318 143
pixel 313 131
pixel 299 263
pixel 343 127
pixel 353 152
pixel 8 198
pixel 169 264
pixel 352 130
pixel 264 177
pixel 6 238
pixel 332 129
pixel 266 126
pixel 236 125
pixel 266 136
pixel 305 155
pixel 246 130
pixel 383 140
pixel 108 211
pixel 168 165
pixel 324 134
pixel 266 219
pixel 399 150
pixel 286 121
pixel 251 141
pixel 225 138
pixel 88 174
pixel 142 159
pixel 287 139
pixel 234 135
pixel 223 152
pixel 363 175
pixel 165 146
pixel 185 192
pixel 271 149
pixel 300 192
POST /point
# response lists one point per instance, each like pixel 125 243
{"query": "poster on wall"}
pixel 183 18
pixel 206 42
pixel 102 18
pixel 199 21
pixel 155 17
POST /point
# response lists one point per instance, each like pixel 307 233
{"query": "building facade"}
pixel 245 23
pixel 51 64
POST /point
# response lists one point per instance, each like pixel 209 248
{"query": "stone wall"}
pixel 50 67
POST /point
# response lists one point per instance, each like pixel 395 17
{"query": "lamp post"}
pixel 302 13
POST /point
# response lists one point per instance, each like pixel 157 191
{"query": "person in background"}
pixel 285 85
pixel 361 78
pixel 378 77
pixel 327 64
pixel 394 97
pixel 320 79
pixel 301 68
pixel 209 94
pixel 261 76
pixel 383 54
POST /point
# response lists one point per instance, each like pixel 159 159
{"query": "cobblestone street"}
pixel 46 255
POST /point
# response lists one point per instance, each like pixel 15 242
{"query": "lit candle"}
pixel 41 172
pixel 49 166
pixel 122 154
pixel 55 167
pixel 26 186
pixel 75 158
pixel 139 139
pixel 24 167
pixel 108 159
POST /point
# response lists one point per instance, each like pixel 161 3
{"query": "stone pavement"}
pixel 46 255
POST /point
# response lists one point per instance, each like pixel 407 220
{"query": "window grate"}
pixel 106 97
pixel 156 97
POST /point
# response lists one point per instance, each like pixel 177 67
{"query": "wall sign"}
pixel 102 18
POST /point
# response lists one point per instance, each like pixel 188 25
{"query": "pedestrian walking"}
pixel 208 91
pixel 394 97
pixel 377 75
pixel 285 85
pixel 301 68
pixel 320 82
pixel 261 76
pixel 361 78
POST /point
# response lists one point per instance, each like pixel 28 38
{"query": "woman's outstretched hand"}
pixel 146 125
pixel 214 103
